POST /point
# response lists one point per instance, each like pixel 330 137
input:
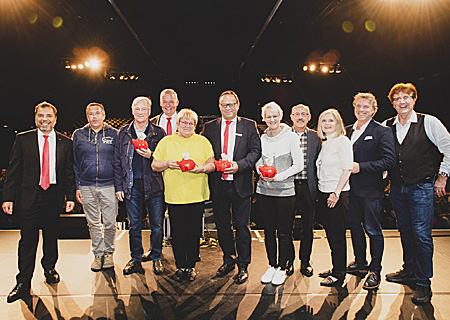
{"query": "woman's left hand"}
pixel 198 168
pixel 267 179
pixel 146 153
pixel 332 200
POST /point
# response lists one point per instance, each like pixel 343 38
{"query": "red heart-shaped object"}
pixel 139 144
pixel 186 165
pixel 221 165
pixel 268 171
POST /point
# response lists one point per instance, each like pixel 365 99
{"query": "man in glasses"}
pixel 306 191
pixel 418 140
pixel 235 139
pixel 168 118
pixel 93 155
pixel 137 184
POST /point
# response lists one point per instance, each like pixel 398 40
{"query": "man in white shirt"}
pixel 373 153
pixel 40 178
pixel 168 118
pixel 418 140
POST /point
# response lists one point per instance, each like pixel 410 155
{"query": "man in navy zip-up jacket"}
pixel 136 183
pixel 93 152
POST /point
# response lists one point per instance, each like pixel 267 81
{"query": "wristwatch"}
pixel 336 194
pixel 443 174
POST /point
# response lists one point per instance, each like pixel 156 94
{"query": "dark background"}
pixel 232 43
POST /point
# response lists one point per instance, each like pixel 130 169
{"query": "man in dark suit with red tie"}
pixel 40 178
pixel 373 153
pixel 236 139
pixel 167 120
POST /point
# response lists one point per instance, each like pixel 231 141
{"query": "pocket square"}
pixel 239 134
pixel 368 138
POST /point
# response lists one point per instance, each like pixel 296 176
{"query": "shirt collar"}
pixel 232 121
pixel 50 135
pixel 363 127
pixel 413 118
pixel 174 116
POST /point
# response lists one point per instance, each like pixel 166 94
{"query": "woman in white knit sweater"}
pixel 280 148
pixel 334 166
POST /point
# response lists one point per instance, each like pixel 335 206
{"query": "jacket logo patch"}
pixel 108 140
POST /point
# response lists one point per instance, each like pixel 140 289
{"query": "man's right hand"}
pixel 120 195
pixel 7 207
pixel 79 197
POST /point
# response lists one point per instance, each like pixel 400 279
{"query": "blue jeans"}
pixel 155 214
pixel 366 212
pixel 414 209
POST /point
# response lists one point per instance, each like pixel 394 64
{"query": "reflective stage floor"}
pixel 83 294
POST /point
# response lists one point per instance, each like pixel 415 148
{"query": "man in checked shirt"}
pixel 305 186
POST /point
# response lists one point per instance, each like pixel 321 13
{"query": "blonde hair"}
pixel 187 114
pixel 340 130
pixel 273 106
pixel 368 96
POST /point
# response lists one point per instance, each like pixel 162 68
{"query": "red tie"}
pixel 169 126
pixel 225 144
pixel 45 172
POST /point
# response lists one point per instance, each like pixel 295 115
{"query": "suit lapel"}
pixel 58 149
pixel 35 145
pixel 358 143
pixel 218 138
pixel 237 139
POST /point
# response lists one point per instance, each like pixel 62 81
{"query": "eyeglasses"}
pixel 228 105
pixel 298 114
pixel 404 98
pixel 187 124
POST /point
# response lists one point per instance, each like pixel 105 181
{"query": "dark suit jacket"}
pixel 22 181
pixel 312 151
pixel 375 152
pixel 155 119
pixel 247 150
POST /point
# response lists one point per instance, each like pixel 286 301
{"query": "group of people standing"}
pixel 336 172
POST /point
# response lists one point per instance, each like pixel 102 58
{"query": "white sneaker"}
pixel 279 277
pixel 97 264
pixel 108 261
pixel 268 276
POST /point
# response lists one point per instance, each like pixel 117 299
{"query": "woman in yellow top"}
pixel 185 192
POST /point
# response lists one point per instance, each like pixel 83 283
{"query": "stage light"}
pixel 94 64
pixel 112 78
pixel 277 80
pixel 331 69
pixel 132 77
pixel 338 69
pixel 135 78
pixel 305 68
pixel 121 77
pixel 312 67
pixel 324 69
pixel 80 66
pixel 73 66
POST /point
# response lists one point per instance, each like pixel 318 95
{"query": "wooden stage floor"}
pixel 83 294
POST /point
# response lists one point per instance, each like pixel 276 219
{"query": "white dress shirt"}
pixel 231 140
pixel 52 153
pixel 173 121
pixel 357 133
pixel 436 132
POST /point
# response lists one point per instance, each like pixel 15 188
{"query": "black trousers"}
pixel 43 214
pixel 277 216
pixel 307 207
pixel 333 220
pixel 186 225
pixel 228 206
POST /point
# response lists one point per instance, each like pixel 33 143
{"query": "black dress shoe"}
pixel 158 267
pixel 178 275
pixel 331 281
pixel 400 277
pixel 51 276
pixel 242 276
pixel 422 295
pixel 20 291
pixel 308 271
pixel 225 269
pixel 146 256
pixel 325 274
pixel 355 267
pixel 190 274
pixel 372 281
pixel 133 266
pixel 290 268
